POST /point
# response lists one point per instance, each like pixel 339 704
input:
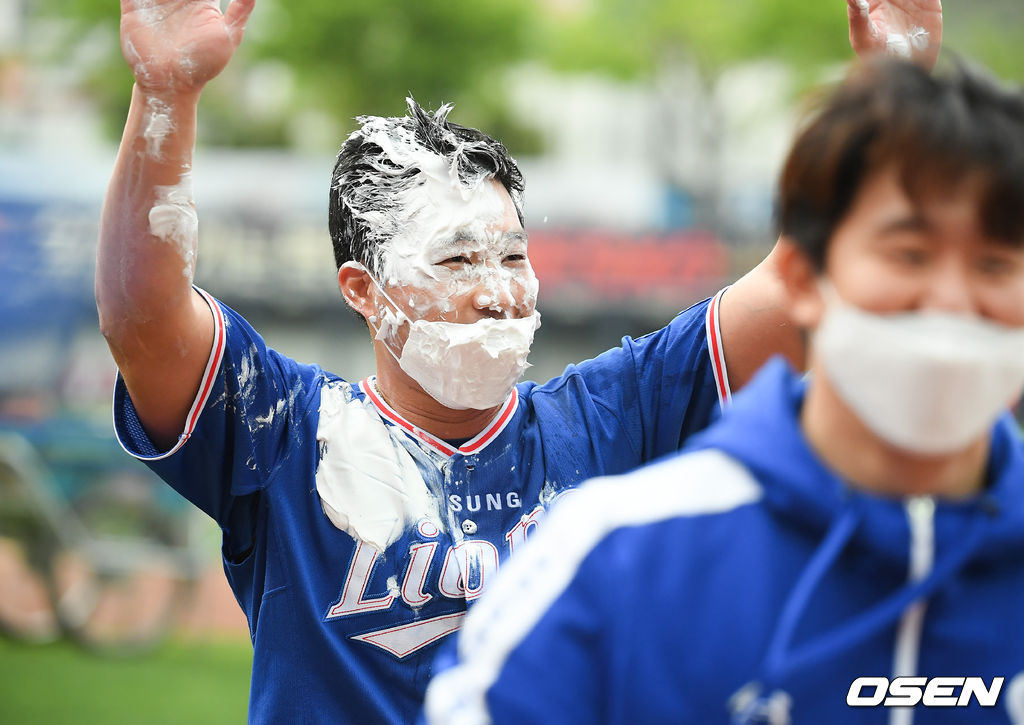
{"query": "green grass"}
pixel 191 682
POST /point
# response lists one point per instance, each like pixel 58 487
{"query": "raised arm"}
pixel 159 330
pixel 752 318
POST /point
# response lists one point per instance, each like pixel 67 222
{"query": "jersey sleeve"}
pixel 660 388
pixel 242 424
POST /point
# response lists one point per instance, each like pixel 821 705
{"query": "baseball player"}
pixel 829 536
pixel 361 518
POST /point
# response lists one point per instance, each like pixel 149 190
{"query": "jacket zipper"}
pixel 921 517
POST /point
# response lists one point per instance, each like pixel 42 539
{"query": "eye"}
pixel 514 258
pixel 914 257
pixel 998 264
pixel 910 254
pixel 456 260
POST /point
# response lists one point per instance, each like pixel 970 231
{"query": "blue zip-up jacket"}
pixel 745 582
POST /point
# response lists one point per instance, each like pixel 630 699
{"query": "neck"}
pixel 415 405
pixel 869 463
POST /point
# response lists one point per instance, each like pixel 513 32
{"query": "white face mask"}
pixel 462 366
pixel 928 382
pixel 468 366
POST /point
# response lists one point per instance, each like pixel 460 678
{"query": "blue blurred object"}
pixel 678 208
pixel 45 294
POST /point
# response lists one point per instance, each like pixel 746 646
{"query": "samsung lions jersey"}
pixel 355 541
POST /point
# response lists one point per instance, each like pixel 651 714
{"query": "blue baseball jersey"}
pixel 355 541
pixel 744 581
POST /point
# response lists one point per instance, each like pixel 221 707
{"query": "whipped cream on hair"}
pixel 424 207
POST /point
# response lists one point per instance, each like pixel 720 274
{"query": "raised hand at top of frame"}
pixel 906 28
pixel 177 46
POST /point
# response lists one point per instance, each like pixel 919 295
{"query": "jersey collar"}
pixel 473 445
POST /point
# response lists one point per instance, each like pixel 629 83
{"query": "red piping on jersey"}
pixel 372 637
pixel 474 445
pixel 209 376
pixel 211 367
pixel 499 423
pixel 716 351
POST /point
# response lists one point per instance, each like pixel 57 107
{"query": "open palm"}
pixel 911 28
pixel 179 45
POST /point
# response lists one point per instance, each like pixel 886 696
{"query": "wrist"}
pixel 174 98
pixel 162 125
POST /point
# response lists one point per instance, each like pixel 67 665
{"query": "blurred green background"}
pixel 336 60
pixel 185 682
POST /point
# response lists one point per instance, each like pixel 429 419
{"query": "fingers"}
pixel 864 35
pixel 236 16
pixel 140 6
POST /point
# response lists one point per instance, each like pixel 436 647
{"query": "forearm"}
pixel 149 228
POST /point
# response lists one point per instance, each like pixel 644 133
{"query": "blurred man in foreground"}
pixel 866 523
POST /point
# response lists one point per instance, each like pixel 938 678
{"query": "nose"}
pixel 493 293
pixel 950 289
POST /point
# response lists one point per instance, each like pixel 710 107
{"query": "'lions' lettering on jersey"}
pixel 461 572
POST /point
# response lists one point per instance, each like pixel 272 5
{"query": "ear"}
pixel 800 281
pixel 357 288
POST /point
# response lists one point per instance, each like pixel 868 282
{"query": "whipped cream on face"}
pixel 439 209
pixel 472 366
pixel 461 365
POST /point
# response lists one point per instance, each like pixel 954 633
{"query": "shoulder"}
pixel 688 335
pixel 689 484
pixel 693 325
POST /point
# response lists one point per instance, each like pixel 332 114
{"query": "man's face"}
pixel 461 257
pixel 890 254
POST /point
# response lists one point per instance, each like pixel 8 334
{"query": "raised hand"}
pixel 905 28
pixel 179 45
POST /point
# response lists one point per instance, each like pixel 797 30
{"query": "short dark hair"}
pixel 936 130
pixel 367 180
